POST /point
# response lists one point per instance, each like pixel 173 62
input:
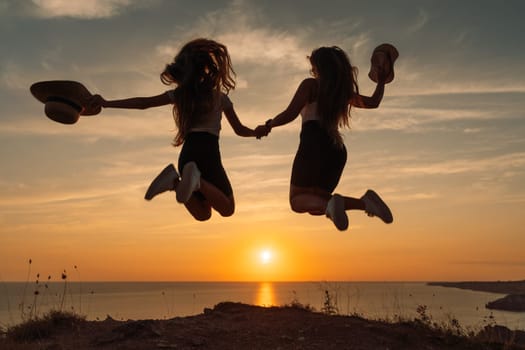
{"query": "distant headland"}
pixel 513 301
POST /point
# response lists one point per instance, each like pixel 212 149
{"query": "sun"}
pixel 266 256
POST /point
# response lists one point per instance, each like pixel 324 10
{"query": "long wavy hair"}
pixel 337 85
pixel 201 68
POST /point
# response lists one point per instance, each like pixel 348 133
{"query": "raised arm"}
pixel 133 102
pixel 373 101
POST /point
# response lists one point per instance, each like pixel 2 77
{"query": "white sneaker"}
pixel 165 181
pixel 335 211
pixel 374 206
pixel 189 183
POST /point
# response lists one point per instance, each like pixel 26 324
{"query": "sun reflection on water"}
pixel 265 294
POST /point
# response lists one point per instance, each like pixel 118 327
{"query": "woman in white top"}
pixel 203 75
pixel 324 103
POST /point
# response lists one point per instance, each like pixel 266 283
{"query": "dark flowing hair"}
pixel 201 68
pixel 337 85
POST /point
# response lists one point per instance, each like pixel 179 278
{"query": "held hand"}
pixel 96 102
pixel 381 73
pixel 261 130
pixel 380 67
pixel 381 76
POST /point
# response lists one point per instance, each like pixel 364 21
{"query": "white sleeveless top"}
pixel 309 112
pixel 211 121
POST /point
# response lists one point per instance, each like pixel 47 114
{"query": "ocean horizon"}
pixel 163 300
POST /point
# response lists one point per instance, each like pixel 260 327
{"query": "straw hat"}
pixel 383 56
pixel 65 101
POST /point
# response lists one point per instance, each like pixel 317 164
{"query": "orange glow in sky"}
pixel 445 149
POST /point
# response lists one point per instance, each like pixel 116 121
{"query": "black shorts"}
pixel 203 149
pixel 319 162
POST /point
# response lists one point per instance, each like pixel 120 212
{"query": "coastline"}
pixel 514 300
pixel 130 300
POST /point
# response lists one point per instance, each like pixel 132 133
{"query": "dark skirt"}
pixel 203 149
pixel 319 162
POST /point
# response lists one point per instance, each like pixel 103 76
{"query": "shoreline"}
pixel 513 301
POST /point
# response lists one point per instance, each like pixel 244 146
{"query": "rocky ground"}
pixel 239 326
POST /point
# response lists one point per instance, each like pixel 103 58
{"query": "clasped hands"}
pixel 263 129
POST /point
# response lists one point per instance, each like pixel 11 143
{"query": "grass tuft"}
pixel 43 327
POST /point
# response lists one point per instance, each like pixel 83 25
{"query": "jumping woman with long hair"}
pixel 324 102
pixel 202 76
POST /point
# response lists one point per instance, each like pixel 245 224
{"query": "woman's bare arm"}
pixel 300 99
pixel 373 101
pixel 238 127
pixel 133 102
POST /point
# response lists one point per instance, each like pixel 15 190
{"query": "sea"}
pixel 391 301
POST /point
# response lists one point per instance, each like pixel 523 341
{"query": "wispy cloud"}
pixel 499 163
pixel 413 119
pixel 250 42
pixel 108 124
pixel 79 9
pixel 419 22
pixel 491 262
pixel 417 76
pixel 12 76
pixel 12 199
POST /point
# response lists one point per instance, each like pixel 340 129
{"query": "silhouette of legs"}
pixel 198 195
pixel 316 201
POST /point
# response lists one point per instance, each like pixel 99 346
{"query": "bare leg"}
pixel 352 203
pixel 308 200
pixel 314 200
pixel 217 199
pixel 192 182
pixel 198 208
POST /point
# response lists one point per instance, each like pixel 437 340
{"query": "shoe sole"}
pixel 387 219
pixel 153 187
pixel 340 218
pixel 186 186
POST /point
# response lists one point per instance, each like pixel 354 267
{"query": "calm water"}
pixel 128 300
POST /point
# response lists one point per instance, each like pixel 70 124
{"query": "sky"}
pixel 445 149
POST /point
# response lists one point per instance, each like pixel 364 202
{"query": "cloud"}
pixel 414 119
pixel 491 262
pixel 264 47
pixel 79 9
pixel 497 164
pixel 417 76
pixel 250 42
pixel 109 124
pixel 64 197
pixel 420 21
pixel 12 76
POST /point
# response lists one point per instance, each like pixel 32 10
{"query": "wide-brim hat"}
pixel 65 100
pixel 383 57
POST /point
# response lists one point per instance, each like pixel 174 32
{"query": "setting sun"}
pixel 266 256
